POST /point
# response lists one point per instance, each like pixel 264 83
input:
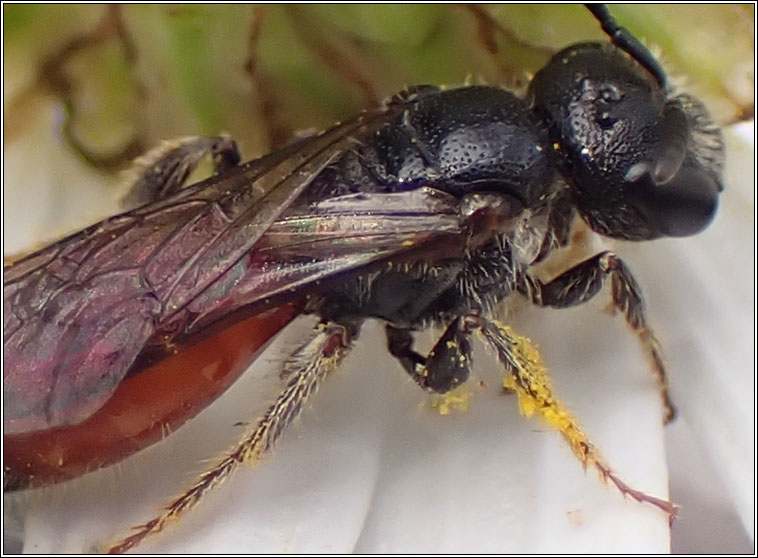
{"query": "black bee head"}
pixel 642 163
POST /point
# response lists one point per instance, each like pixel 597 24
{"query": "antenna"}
pixel 623 38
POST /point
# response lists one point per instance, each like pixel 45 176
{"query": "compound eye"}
pixel 682 207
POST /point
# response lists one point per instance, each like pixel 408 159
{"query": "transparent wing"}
pixel 78 313
pixel 313 247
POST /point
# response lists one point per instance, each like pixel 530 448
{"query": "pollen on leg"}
pixel 302 373
pixel 529 378
pixel 531 381
pixel 454 400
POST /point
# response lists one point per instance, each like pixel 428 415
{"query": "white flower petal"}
pixel 705 313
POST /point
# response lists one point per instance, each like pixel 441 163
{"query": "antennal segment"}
pixel 623 38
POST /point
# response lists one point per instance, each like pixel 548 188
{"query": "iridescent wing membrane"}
pixel 78 313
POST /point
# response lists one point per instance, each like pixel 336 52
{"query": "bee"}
pixel 430 209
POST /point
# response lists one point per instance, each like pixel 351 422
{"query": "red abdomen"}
pixel 147 404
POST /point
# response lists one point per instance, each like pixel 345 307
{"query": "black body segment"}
pixel 641 161
pixel 447 365
pixel 448 140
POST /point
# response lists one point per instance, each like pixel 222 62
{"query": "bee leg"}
pixel 163 171
pixel 529 378
pixel 302 374
pixel 582 282
pixel 447 365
